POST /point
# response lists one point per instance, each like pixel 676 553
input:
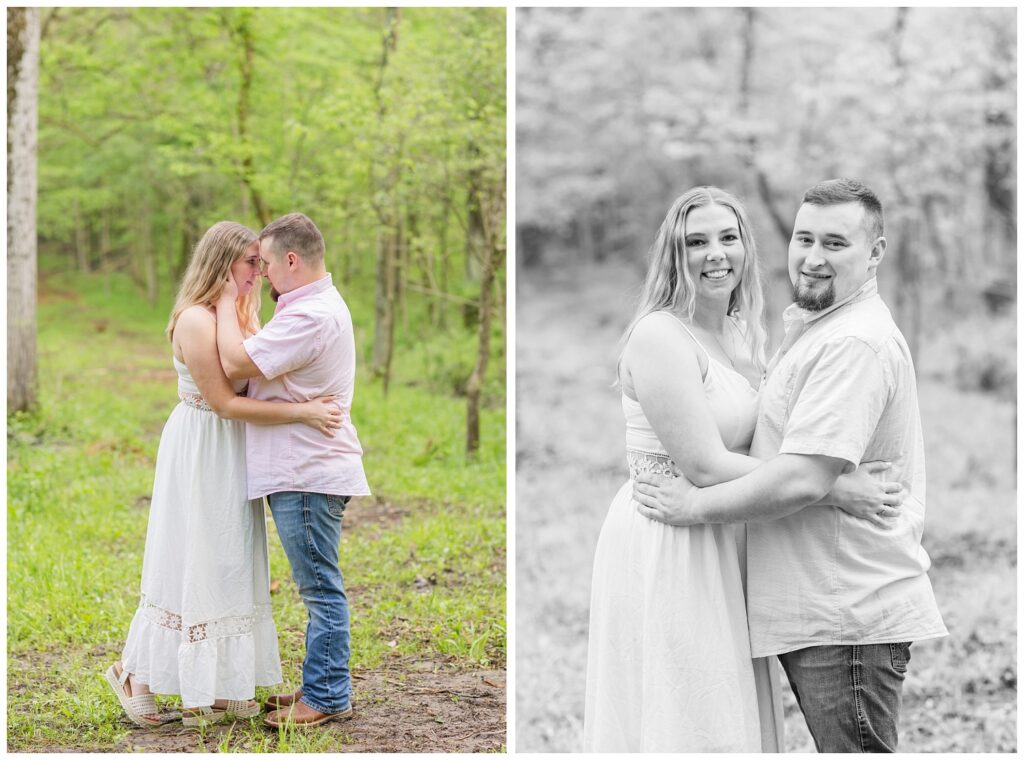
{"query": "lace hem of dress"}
pixel 650 462
pixel 195 400
pixel 239 625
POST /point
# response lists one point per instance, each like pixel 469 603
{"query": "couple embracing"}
pixel 775 508
pixel 204 628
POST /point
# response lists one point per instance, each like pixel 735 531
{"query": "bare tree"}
pixel 22 128
pixel 389 235
pixel 492 215
pixel 240 28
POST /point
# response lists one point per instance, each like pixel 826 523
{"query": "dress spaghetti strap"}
pixel 689 332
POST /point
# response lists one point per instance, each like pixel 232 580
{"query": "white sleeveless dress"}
pixel 669 666
pixel 204 627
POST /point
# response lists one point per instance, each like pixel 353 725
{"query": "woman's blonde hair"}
pixel 222 245
pixel 669 286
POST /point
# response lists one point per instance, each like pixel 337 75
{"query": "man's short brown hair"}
pixel 834 192
pixel 295 232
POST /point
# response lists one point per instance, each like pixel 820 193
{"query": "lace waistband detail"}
pixel 647 461
pixel 239 625
pixel 194 400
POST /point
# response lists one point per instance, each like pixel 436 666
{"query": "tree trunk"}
pixel 401 267
pixel 388 220
pixel 349 251
pixel 476 380
pixel 474 221
pixel 908 294
pixel 189 236
pixel 501 310
pixel 442 322
pixel 428 281
pixel 81 248
pixel 384 335
pixel 244 31
pixel 906 222
pixel 148 255
pixel 179 262
pixel 492 216
pixel 777 286
pixel 22 127
pixel 105 263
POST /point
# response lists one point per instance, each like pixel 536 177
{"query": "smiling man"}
pixel 837 598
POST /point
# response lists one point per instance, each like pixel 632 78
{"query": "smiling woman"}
pixel 689 398
pixel 714 249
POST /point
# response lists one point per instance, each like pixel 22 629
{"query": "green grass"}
pixel 80 470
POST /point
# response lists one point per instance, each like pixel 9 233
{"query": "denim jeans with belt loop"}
pixel 309 525
pixel 850 695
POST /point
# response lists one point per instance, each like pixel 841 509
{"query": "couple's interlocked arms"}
pixel 775 508
pixel 264 413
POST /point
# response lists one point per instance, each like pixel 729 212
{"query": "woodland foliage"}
pixel 386 126
pixel 620 110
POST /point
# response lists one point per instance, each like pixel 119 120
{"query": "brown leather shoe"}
pixel 278 701
pixel 301 714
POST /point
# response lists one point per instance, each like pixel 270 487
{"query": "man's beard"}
pixel 805 299
pixel 274 295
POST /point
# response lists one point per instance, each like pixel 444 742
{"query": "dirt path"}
pixel 410 706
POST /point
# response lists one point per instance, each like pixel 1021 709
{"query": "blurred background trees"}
pixel 620 111
pixel 386 126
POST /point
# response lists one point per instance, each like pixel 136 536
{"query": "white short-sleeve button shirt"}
pixel 845 388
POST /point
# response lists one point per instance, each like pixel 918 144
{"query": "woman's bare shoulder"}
pixel 659 331
pixel 195 327
pixel 196 317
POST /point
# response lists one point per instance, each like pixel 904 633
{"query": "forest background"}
pixel 387 127
pixel 617 113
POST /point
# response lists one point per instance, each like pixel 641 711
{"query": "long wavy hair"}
pixel 222 245
pixel 670 287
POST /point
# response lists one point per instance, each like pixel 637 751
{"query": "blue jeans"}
pixel 309 525
pixel 850 695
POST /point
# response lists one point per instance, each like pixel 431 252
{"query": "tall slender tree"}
pixel 22 127
pixel 387 176
pixel 491 203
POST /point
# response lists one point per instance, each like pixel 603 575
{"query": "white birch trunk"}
pixel 22 96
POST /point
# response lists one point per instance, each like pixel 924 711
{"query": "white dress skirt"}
pixel 204 627
pixel 669 666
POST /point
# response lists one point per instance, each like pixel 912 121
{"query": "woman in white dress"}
pixel 203 628
pixel 669 666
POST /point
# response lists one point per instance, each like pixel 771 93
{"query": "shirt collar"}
pixel 794 313
pixel 313 288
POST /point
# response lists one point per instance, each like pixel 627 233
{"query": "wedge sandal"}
pixel 235 709
pixel 138 708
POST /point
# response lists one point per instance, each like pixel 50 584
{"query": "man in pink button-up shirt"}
pixel 306 351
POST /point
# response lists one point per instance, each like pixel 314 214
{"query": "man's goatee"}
pixel 819 302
